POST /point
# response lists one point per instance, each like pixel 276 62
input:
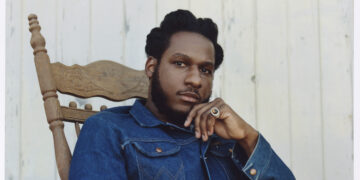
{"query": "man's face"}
pixel 184 76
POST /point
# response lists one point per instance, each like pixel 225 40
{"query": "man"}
pixel 176 133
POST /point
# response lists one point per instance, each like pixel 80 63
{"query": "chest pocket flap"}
pixel 157 149
pixel 222 148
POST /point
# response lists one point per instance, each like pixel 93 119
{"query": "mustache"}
pixel 189 90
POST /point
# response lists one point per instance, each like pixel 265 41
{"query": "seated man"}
pixel 176 133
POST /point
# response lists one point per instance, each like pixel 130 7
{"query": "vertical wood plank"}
pixel 356 90
pixel 164 7
pixel 204 9
pixel 13 88
pixel 336 48
pixel 238 85
pixel 214 10
pixel 305 91
pixel 272 75
pixel 140 18
pixel 74 32
pixel 107 40
pixel 74 47
pixel 37 151
pixel 282 51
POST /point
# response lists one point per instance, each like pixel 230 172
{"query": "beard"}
pixel 161 102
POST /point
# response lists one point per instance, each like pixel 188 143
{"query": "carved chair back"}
pixel 103 78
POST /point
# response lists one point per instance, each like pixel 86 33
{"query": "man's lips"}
pixel 189 97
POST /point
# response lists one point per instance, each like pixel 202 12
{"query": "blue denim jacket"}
pixel 131 143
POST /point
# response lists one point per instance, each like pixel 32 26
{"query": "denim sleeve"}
pixel 97 155
pixel 263 163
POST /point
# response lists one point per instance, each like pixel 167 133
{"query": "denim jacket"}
pixel 129 142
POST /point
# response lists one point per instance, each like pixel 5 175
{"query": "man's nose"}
pixel 193 78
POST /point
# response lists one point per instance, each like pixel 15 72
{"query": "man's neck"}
pixel 168 118
pixel 153 109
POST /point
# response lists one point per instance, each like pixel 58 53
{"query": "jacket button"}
pixel 159 150
pixel 253 172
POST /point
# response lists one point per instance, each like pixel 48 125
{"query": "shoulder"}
pixel 109 118
pixel 113 121
pixel 116 113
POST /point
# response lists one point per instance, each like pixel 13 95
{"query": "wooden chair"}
pixel 104 78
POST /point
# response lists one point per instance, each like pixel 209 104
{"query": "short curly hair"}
pixel 158 39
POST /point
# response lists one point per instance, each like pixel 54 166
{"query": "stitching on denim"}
pixel 138 165
pixel 183 142
pixel 148 124
pixel 144 175
pixel 129 140
pixel 221 150
pixel 227 175
pixel 257 146
pixel 188 141
pixel 163 171
pixel 179 172
pixel 247 167
pixel 267 165
pixel 152 154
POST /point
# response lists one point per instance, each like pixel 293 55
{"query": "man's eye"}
pixel 206 71
pixel 179 63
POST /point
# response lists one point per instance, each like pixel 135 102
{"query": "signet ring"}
pixel 215 112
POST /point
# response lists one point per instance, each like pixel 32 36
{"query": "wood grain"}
pixel 315 32
pixel 305 91
pixel 239 38
pixel 103 78
pixel 272 94
pixel 51 103
pixel 13 85
pixel 336 53
pixel 106 79
pixel 76 115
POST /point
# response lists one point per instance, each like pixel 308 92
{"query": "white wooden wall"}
pixel 287 71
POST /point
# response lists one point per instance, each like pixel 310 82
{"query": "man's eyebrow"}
pixel 181 55
pixel 186 57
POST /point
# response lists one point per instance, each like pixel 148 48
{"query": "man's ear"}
pixel 150 66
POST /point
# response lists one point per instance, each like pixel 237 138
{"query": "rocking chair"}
pixel 104 78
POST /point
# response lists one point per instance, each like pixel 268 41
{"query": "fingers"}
pixel 209 120
pixel 204 122
pixel 210 123
pixel 200 122
pixel 193 114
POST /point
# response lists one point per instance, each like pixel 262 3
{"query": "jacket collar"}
pixel 143 116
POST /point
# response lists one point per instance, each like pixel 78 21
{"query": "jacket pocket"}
pixel 221 148
pixel 220 152
pixel 157 149
pixel 159 160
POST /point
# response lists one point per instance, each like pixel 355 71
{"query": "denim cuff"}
pixel 258 160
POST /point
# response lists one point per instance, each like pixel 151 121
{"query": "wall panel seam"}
pixel 255 29
pixel 321 88
pixel 90 53
pixel 288 84
pixel 23 20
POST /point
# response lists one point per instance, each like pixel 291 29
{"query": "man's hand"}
pixel 228 125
